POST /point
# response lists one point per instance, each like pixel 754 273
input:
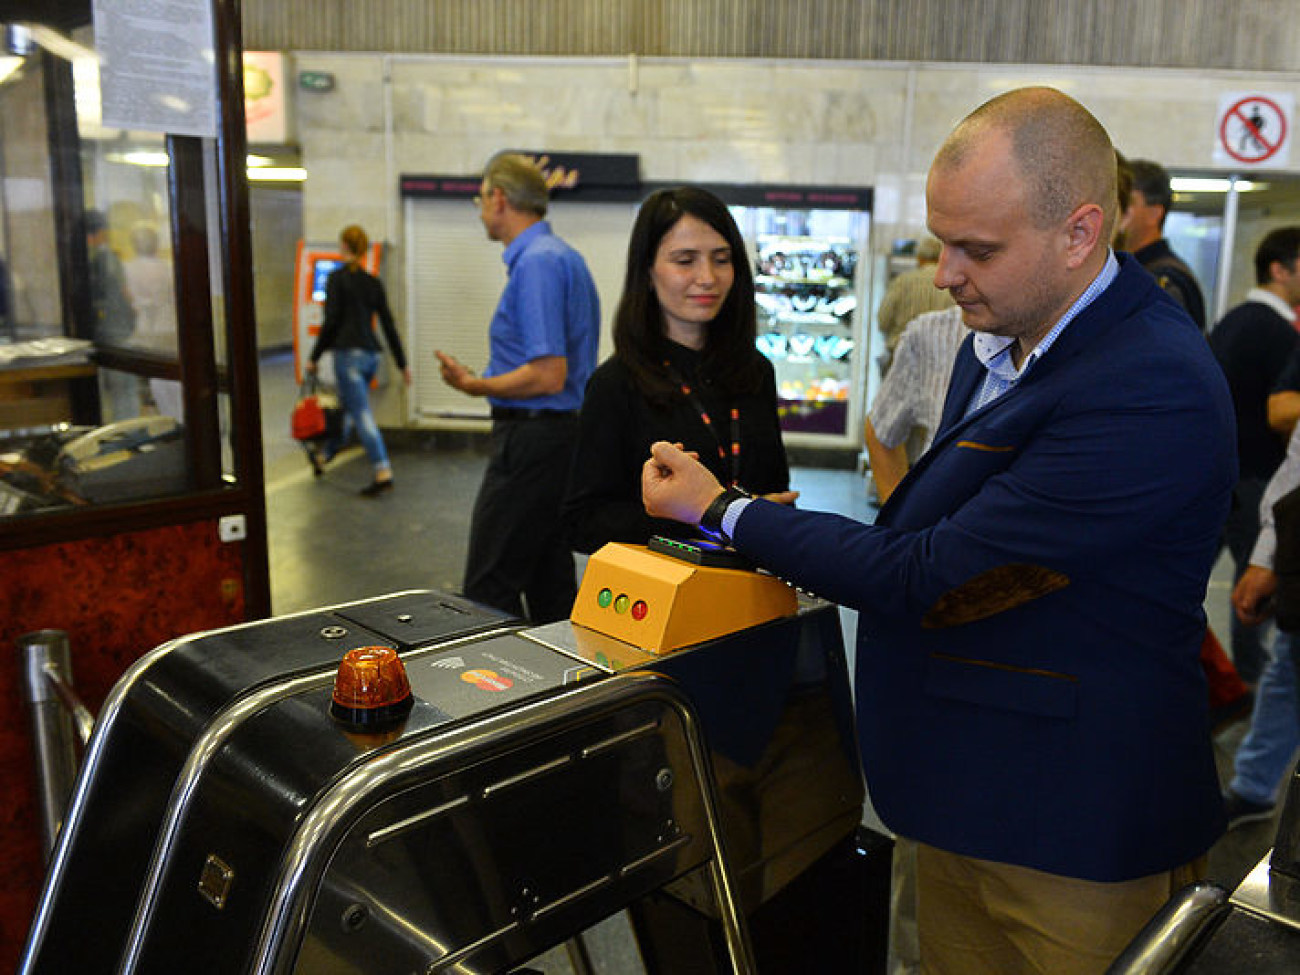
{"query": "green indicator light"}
pixel 621 604
pixel 604 599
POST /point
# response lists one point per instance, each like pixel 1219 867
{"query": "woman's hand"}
pixel 781 497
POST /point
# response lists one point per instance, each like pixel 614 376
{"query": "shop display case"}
pixel 806 306
pixel 806 246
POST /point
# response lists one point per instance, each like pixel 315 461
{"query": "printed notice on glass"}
pixel 157 68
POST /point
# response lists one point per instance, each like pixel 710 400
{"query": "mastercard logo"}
pixel 487 680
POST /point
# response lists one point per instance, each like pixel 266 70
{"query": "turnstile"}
pixel 1204 930
pixel 545 779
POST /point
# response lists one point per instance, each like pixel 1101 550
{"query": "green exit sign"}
pixel 315 81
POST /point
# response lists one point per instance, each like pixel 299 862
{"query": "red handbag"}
pixel 310 420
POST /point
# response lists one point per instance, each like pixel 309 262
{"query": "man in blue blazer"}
pixel 1030 705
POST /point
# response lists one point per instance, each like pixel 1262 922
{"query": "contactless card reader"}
pixel 664 599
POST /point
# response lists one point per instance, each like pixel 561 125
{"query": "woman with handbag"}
pixel 353 298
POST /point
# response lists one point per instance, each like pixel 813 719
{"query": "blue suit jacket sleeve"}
pixel 1097 455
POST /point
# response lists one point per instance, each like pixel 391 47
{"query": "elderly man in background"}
pixel 543 341
pixel 908 295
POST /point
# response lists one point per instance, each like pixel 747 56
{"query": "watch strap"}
pixel 711 520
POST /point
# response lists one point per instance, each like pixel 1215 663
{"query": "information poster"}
pixel 157 68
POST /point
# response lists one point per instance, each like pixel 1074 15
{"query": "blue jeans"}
pixel 353 371
pixel 1266 753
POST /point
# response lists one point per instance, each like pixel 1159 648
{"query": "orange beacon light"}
pixel 371 691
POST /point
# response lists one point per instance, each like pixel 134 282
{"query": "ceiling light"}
pixel 141 157
pixel 259 167
pixel 277 174
pixel 1190 184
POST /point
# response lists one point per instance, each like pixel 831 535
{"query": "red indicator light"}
pixel 639 609
pixel 371 691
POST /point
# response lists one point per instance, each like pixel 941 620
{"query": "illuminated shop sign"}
pixel 570 175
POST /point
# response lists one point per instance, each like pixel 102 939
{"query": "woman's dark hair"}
pixel 730 358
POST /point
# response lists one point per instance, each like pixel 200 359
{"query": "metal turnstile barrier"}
pixel 1204 930
pixel 544 780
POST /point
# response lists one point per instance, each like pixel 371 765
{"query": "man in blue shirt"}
pixel 1030 703
pixel 543 340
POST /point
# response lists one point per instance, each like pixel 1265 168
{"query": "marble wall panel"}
pixel 737 120
pixel 356 104
pixel 855 163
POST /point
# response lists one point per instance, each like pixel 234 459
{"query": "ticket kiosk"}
pixel 312 267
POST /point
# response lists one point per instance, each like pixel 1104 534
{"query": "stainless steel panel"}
pixel 489 864
pixel 1271 894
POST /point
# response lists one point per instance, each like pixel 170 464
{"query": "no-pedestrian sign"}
pixel 1253 129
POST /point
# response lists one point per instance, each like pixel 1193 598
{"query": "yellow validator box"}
pixel 662 603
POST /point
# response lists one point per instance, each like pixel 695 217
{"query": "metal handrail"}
pixel 1168 936
pixel 60 724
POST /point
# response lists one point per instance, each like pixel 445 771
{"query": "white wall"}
pixel 860 124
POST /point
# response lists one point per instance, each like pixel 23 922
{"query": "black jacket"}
pixel 617 427
pixel 352 298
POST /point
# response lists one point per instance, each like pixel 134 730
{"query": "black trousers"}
pixel 516 546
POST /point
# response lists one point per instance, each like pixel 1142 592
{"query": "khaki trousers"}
pixel 976 917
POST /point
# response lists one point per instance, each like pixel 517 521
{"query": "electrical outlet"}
pixel 232 528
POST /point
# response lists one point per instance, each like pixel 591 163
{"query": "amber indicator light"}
pixel 371 691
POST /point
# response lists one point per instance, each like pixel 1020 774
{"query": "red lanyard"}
pixel 734 455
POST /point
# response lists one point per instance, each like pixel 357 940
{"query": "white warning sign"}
pixel 1253 129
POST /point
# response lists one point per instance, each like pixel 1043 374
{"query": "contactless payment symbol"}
pixel 1254 130
pixel 487 680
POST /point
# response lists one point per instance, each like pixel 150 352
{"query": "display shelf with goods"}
pixel 809 249
pixel 807 299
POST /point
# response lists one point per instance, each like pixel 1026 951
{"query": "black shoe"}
pixel 314 458
pixel 1242 811
pixel 376 488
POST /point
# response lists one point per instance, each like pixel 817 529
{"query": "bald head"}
pixel 1064 156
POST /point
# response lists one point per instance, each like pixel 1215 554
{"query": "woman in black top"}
pixel 684 369
pixel 352 299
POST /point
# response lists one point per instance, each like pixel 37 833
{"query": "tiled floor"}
pixel 329 545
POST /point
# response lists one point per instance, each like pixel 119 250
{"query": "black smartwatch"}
pixel 711 520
